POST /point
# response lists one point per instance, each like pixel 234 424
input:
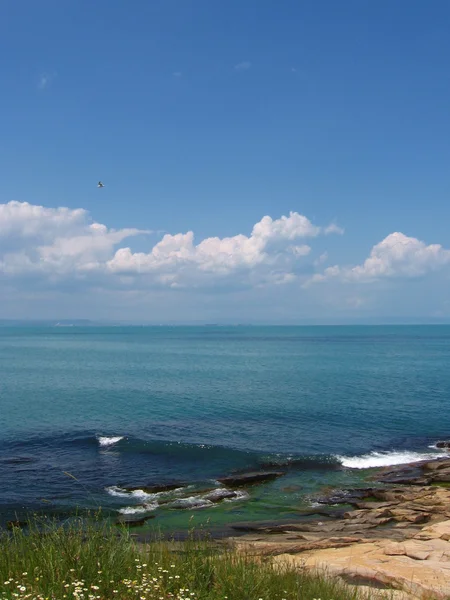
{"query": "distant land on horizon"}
pixel 304 323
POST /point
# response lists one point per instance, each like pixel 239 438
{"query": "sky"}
pixel 273 162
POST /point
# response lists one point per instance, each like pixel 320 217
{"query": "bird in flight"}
pixel 100 184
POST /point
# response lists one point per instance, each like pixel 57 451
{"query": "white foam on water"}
pixel 135 510
pixel 137 494
pixel 192 502
pixel 109 441
pixel 176 491
pixel 386 459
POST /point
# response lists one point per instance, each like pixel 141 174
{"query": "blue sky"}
pixel 206 116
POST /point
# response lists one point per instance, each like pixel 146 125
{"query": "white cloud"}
pixel 268 252
pixel 58 261
pixel 64 245
pixel 53 240
pixel 243 66
pixel 333 228
pixel 396 256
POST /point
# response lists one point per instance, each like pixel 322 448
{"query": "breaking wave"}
pixel 104 441
pixel 136 494
pixel 136 510
pixel 386 459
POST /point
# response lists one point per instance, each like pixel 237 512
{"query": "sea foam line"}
pixel 387 459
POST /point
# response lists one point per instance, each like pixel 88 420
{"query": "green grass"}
pixel 96 562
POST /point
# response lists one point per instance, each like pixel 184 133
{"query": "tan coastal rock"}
pixel 418 572
pixel 399 542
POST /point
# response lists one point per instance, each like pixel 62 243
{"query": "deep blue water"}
pixel 196 403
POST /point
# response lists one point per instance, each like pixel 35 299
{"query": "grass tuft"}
pixel 92 561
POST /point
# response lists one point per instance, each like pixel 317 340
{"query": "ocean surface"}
pixel 88 413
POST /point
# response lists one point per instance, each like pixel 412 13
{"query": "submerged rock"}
pixel 445 444
pixel 134 522
pixel 153 489
pixel 244 479
pixel 352 497
pixel 220 494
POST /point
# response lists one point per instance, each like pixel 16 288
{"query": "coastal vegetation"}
pixel 95 561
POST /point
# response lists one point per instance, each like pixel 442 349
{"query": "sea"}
pixel 106 418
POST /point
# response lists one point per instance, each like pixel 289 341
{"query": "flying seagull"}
pixel 100 184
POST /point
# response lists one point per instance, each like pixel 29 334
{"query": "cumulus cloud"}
pixel 62 244
pixel 53 240
pixel 396 256
pixel 268 254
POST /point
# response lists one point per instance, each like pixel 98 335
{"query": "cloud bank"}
pixel 59 243
pixel 62 258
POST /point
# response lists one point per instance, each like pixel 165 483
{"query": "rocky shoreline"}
pixel 394 535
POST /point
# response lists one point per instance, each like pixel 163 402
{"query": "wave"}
pixel 136 494
pixel 387 459
pixel 109 441
pixel 136 510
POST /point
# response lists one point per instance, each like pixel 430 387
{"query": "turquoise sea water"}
pixel 134 406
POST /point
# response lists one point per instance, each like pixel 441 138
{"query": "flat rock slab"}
pixel 368 564
pixel 243 479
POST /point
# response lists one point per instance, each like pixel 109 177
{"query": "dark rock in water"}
pixel 303 464
pixel 403 474
pixel 445 444
pixel 154 489
pixel 218 495
pixel 347 496
pixel 130 522
pixel 250 478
